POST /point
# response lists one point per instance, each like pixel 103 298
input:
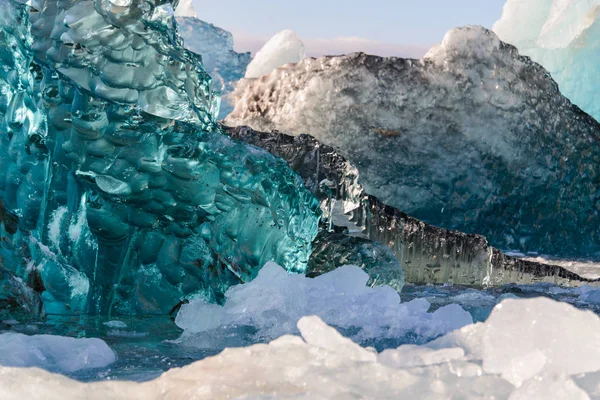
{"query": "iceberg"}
pixel 125 195
pixel 481 360
pixel 563 36
pixel 283 48
pixel 215 45
pixel 357 226
pixel 473 138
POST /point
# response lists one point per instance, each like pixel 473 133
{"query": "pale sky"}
pixel 382 27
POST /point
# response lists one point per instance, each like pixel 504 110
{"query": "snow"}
pixel 534 349
pixel 274 302
pixel 563 36
pixel 283 48
pixel 54 353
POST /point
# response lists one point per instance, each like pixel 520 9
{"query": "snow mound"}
pixel 283 48
pixel 564 37
pixel 528 349
pixel 54 353
pixel 275 301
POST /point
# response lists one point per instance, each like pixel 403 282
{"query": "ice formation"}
pixel 275 300
pixel 283 48
pixel 354 224
pixel 120 194
pixel 473 137
pixel 185 8
pixel 563 36
pixel 54 353
pixel 215 45
pixel 505 357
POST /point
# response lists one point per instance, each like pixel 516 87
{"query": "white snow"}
pixel 54 353
pixel 276 300
pixel 535 349
pixel 283 48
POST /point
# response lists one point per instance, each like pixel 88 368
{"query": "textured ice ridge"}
pixel 355 223
pixel 473 137
pixel 120 194
pixel 505 357
pixel 564 37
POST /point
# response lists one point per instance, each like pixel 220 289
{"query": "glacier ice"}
pixel 273 302
pixel 185 8
pixel 473 137
pixel 125 195
pixel 215 45
pixel 54 353
pixel 563 36
pixel 426 254
pixel 283 48
pixel 472 363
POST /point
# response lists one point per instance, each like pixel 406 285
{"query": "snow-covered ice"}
pixel 274 302
pixel 533 349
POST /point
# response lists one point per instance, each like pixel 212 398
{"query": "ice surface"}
pixel 275 301
pixel 215 45
pixel 120 193
pixel 54 353
pixel 185 8
pixel 473 138
pixel 360 222
pixel 283 48
pixel 564 37
pixel 471 363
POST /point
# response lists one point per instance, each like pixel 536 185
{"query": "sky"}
pixel 382 27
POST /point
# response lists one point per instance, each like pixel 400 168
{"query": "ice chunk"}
pixel 120 191
pixel 215 45
pixel 274 302
pixel 331 250
pixel 520 340
pixel 54 353
pixel 317 333
pixel 116 324
pixel 550 387
pixel 283 48
pixel 563 36
pixel 321 364
pixel 458 257
pixel 473 137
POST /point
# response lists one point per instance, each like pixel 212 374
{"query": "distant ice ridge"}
pixel 528 349
pixel 563 36
pixel 283 48
pixel 275 301
pixel 54 353
pixel 473 138
pixel 215 45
